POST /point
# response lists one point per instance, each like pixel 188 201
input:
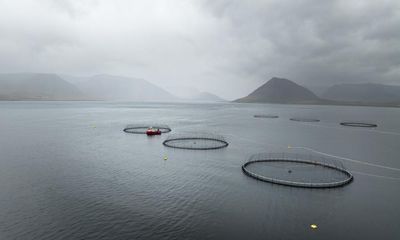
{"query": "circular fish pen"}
pixel 304 119
pixel 142 128
pixel 359 124
pixel 265 116
pixel 196 141
pixel 297 170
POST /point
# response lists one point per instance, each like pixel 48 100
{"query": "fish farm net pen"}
pixel 359 124
pixel 196 141
pixel 265 116
pixel 304 119
pixel 142 128
pixel 297 170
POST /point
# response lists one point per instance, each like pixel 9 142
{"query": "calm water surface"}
pixel 68 171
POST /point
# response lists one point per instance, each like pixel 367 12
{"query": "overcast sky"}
pixel 225 47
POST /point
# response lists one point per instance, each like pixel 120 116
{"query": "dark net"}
pixel 304 119
pixel 358 124
pixel 298 170
pixel 265 116
pixel 196 141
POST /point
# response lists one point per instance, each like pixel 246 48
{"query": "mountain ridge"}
pixel 206 97
pixel 113 87
pixel 284 91
pixel 53 87
pixel 363 92
pixel 37 86
pixel 280 90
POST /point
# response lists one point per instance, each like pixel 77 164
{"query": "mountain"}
pixel 75 80
pixel 280 90
pixel 207 97
pixel 37 86
pixel 110 87
pixel 363 93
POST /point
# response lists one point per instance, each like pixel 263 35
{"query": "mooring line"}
pixel 326 154
pixel 374 175
pixel 349 159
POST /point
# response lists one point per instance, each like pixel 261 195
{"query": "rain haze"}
pixel 228 48
pixel 199 119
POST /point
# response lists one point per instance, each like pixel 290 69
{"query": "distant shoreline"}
pixel 330 104
pixel 197 102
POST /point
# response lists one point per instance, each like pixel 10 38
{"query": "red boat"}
pixel 152 131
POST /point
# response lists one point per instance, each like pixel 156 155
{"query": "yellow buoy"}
pixel 165 157
pixel 313 226
pixel 289 146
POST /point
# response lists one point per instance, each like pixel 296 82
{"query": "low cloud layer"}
pixel 225 47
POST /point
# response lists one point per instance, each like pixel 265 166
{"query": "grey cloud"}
pixel 317 42
pixel 225 47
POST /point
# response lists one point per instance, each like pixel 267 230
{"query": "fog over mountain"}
pixel 227 47
pixel 46 86
pixel 206 97
pixel 284 91
pixel 37 86
pixel 111 87
pixel 367 93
